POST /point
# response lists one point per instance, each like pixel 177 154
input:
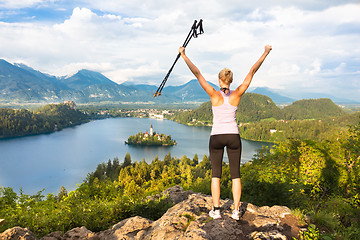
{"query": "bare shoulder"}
pixel 217 99
pixel 234 98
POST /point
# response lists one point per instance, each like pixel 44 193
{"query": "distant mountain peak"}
pixel 277 98
pixel 192 81
pixel 69 75
pixel 85 78
pixel 81 72
pixel 86 71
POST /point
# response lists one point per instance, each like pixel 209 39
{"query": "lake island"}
pixel 150 139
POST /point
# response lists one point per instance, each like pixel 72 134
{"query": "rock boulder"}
pixel 17 233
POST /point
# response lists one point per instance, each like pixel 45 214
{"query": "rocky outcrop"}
pixel 189 219
pixel 174 194
pixel 17 233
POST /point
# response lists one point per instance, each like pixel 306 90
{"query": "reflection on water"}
pixel 64 158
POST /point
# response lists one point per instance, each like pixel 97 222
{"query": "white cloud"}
pixel 13 4
pixel 315 67
pixel 128 40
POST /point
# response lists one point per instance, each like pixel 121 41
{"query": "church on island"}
pixel 146 135
pixel 151 139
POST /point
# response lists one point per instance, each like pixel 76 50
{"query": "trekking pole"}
pixel 196 29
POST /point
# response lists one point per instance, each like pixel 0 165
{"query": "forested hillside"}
pixel 279 131
pixel 255 107
pixel 15 123
pixel 312 109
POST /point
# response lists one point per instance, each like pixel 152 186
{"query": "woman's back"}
pixel 224 117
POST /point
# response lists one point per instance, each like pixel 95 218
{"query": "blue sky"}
pixel 316 49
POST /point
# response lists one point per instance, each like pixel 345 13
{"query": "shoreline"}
pixel 95 119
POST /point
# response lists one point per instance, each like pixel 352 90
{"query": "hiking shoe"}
pixel 215 214
pixel 236 214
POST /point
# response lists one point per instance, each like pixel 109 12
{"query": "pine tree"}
pixel 127 160
pixel 63 193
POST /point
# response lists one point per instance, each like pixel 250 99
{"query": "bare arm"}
pixel 244 86
pixel 205 85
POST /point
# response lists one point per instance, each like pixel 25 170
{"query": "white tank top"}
pixel 224 117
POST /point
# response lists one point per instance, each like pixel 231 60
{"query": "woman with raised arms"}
pixel 225 131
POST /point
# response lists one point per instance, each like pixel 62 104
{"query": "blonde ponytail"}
pixel 226 76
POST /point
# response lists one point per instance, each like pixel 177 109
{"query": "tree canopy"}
pixel 52 117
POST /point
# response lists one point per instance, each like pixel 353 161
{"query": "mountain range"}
pixel 22 84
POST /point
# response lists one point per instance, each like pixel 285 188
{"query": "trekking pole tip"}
pixel 156 94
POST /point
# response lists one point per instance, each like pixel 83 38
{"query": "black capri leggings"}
pixel 232 142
